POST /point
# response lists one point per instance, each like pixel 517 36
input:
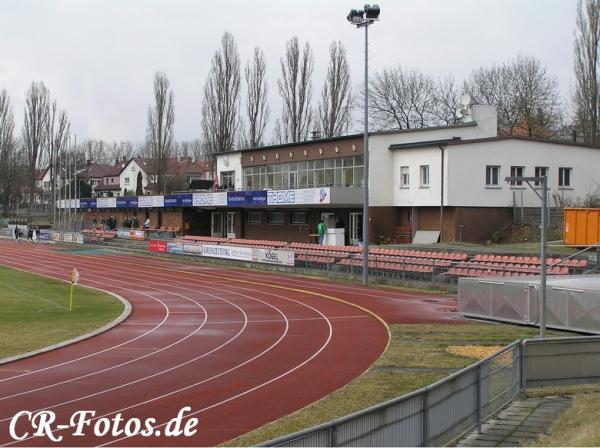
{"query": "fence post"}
pixel 523 369
pixel 478 398
pixel 425 419
pixel 333 436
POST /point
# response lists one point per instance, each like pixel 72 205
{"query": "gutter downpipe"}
pixel 441 147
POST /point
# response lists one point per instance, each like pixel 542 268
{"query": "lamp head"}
pixel 372 12
pixel 355 16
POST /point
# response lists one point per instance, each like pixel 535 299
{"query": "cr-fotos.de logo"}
pixel 83 423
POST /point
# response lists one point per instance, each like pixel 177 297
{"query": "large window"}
pixel 424 175
pixel 564 177
pixel 404 177
pixel 347 171
pixel 228 180
pixel 298 217
pixel 276 217
pixel 516 171
pixel 254 218
pixel 492 174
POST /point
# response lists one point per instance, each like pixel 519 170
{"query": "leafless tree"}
pixel 35 137
pixel 58 131
pixel 161 119
pixel 400 99
pixel 446 101
pixel 221 102
pixel 334 110
pixel 257 106
pixel 7 152
pixel 295 88
pixel 525 95
pixel 586 91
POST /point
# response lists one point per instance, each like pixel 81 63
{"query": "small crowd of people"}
pixel 110 223
pixel 33 233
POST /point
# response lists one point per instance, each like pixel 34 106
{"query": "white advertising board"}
pixel 303 196
pixel 280 257
pixel 228 252
pixel 209 199
pixel 151 201
pixel 106 202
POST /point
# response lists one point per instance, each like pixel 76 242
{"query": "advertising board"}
pixel 240 198
pixel 151 201
pixel 303 196
pixel 209 199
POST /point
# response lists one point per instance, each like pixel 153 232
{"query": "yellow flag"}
pixel 75 276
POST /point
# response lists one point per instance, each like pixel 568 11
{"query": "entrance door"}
pixel 216 228
pixel 355 228
pixel 230 228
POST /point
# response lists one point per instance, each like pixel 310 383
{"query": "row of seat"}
pixel 580 264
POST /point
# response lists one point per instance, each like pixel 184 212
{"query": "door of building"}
pixel 355 228
pixel 230 225
pixel 216 227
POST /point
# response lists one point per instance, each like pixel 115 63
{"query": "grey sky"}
pixel 98 57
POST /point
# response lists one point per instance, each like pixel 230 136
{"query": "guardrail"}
pixel 441 413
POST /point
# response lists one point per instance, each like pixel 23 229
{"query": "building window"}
pixel 126 181
pixel 254 217
pixel 276 217
pixel 564 177
pixel 227 180
pixel 540 171
pixel 404 177
pixel 492 173
pixel 298 217
pixel 424 171
pixel 516 171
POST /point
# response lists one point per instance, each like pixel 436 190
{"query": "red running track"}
pixel 240 348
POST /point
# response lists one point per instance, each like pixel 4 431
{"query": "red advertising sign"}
pixel 158 246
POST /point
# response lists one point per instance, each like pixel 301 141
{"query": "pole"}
pixel 543 254
pixel 75 177
pixel 442 194
pixel 365 235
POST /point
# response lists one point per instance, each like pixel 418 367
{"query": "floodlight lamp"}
pixel 372 12
pixel 355 16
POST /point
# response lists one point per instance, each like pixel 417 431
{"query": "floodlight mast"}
pixel 543 182
pixel 362 18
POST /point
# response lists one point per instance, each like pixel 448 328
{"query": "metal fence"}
pixel 441 413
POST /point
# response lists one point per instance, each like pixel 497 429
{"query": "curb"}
pixel 124 315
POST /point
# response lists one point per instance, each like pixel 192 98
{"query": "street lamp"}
pixel 543 182
pixel 362 18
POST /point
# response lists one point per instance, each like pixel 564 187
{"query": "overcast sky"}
pixel 98 57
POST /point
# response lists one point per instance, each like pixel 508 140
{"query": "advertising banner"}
pixel 192 249
pixel 79 238
pixel 239 198
pixel 44 235
pixel 209 199
pixel 158 246
pixel 130 234
pixel 305 196
pixel 227 252
pixel 178 200
pixel 57 236
pixel 174 247
pixel 151 201
pixel 106 202
pixel 68 238
pixel 87 203
pixel 280 257
pixel 127 202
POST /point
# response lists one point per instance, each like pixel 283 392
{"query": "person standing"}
pixel 16 232
pixel 321 228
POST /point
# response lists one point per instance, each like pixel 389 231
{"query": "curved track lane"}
pixel 240 349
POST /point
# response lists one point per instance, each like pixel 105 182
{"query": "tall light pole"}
pixel 362 18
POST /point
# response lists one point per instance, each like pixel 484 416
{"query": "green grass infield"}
pixel 35 311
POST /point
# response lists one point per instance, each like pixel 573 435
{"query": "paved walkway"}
pixel 519 424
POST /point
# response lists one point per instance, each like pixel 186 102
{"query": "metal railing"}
pixel 441 413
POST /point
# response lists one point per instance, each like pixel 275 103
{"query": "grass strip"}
pixel 417 356
pixel 35 311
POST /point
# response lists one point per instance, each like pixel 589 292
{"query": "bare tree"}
pixel 58 132
pixel 334 110
pixel 401 99
pixel 586 91
pixel 35 137
pixel 525 95
pixel 257 106
pixel 161 119
pixel 295 88
pixel 221 103
pixel 446 101
pixel 7 151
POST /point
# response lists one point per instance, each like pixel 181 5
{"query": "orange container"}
pixel 581 226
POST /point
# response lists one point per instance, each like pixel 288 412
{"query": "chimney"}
pixel 88 162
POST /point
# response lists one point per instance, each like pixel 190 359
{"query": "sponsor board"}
pixel 127 202
pixel 68 238
pixel 178 200
pixel 57 236
pixel 239 198
pixel 87 203
pixel 227 252
pixel 130 234
pixel 151 201
pixel 106 202
pixel 158 246
pixel 174 247
pixel 192 248
pixel 79 238
pixel 302 196
pixel 44 235
pixel 279 257
pixel 209 199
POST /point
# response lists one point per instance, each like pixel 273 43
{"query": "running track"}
pixel 240 348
